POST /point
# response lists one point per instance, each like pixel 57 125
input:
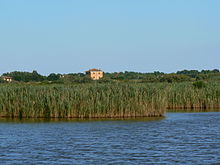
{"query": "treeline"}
pixel 34 76
pixel 180 76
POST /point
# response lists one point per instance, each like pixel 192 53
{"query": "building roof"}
pixel 93 70
pixel 7 77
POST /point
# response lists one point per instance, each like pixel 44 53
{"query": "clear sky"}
pixel 65 36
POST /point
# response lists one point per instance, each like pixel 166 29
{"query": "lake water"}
pixel 179 138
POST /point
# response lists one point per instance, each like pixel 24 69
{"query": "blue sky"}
pixel 65 36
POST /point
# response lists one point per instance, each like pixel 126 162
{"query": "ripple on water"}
pixel 180 138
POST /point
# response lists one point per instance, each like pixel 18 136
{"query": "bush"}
pixel 199 84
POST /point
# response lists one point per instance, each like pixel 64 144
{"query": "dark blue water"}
pixel 180 138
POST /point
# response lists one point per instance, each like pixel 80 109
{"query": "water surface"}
pixel 180 138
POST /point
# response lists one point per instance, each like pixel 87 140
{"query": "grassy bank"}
pixel 117 100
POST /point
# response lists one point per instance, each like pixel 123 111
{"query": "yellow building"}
pixel 95 74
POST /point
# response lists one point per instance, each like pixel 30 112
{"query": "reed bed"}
pixel 119 100
pixel 82 101
pixel 184 96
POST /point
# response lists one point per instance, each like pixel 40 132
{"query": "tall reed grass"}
pixel 82 101
pixel 107 100
pixel 187 97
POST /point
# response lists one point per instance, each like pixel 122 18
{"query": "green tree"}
pixel 53 77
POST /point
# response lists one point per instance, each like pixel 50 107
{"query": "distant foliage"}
pixel 180 76
pixel 2 81
pixel 199 84
pixel 54 77
pixel 25 76
pixel 203 75
pixel 174 78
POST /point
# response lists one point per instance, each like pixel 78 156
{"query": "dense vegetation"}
pixel 197 96
pixel 106 99
pixel 96 100
pixel 123 94
pixel 180 76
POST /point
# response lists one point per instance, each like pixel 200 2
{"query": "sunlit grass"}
pixel 119 100
pixel 82 101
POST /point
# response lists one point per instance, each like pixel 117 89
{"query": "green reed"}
pixel 81 101
pixel 188 97
pixel 95 100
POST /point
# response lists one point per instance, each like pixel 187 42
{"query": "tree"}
pixel 53 77
pixel 25 76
